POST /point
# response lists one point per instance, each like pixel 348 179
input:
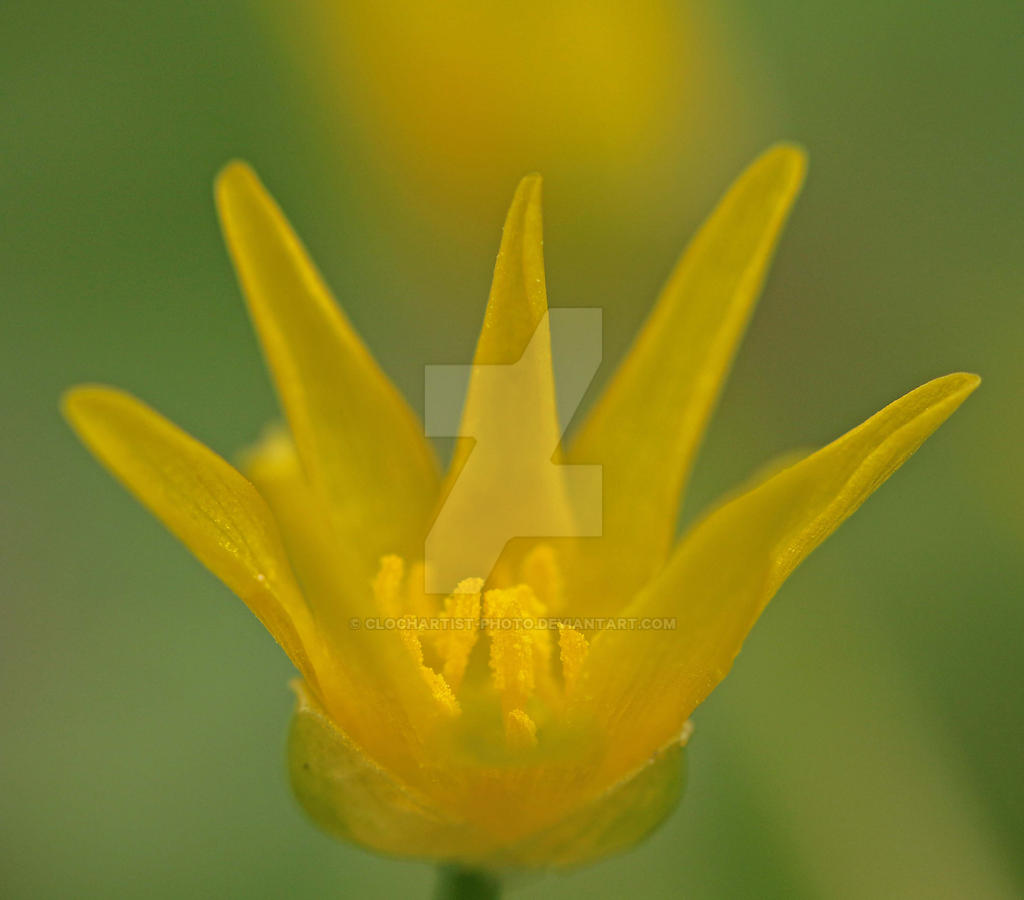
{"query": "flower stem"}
pixel 457 883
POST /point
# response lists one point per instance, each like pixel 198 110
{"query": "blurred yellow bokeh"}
pixel 455 100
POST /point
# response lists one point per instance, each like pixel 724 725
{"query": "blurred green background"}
pixel 868 742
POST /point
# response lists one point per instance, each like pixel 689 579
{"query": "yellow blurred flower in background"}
pixel 493 747
pixel 454 100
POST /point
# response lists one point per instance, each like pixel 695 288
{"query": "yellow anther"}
pixel 387 591
pixel 442 692
pixel 392 600
pixel 541 571
pixel 512 645
pixel 461 619
pixel 543 643
pixel 573 648
pixel 520 730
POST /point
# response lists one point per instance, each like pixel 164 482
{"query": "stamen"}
pixel 387 591
pixel 387 585
pixel 512 645
pixel 573 648
pixel 454 644
pixel 537 612
pixel 516 650
pixel 443 694
pixel 520 730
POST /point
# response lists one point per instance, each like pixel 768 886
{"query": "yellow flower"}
pixel 499 746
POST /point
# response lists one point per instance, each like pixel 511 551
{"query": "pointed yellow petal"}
pixel 646 428
pixel 329 576
pixel 360 444
pixel 205 503
pixel 502 483
pixel 515 308
pixel 365 677
pixel 645 683
pixel 518 298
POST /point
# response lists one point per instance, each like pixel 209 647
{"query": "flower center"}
pixel 519 627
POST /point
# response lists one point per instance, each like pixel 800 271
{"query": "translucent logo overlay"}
pixel 508 480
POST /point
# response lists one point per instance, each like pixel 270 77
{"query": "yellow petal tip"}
pixel 234 181
pixel 970 380
pixel 787 157
pixel 956 387
pixel 70 398
pixel 532 181
pixel 525 209
pixel 233 172
pixel 81 401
